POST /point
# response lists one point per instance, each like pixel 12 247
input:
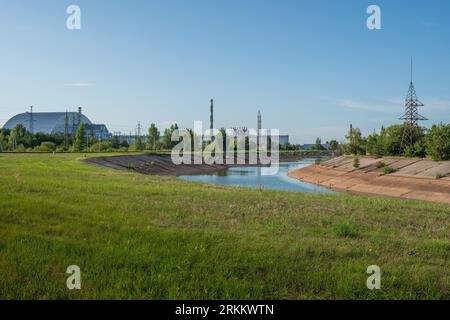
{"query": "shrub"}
pixel 440 176
pixel 100 146
pixel 21 148
pixel 381 164
pixel 388 170
pixel 356 162
pixel 417 150
pixel 46 146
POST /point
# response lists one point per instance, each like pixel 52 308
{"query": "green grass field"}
pixel 147 237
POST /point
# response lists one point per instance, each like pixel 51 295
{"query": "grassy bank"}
pixel 149 237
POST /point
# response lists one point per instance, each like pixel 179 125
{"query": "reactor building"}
pixel 58 123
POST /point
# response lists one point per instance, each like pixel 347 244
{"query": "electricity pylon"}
pixel 411 117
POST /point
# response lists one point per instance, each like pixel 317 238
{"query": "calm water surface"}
pixel 255 177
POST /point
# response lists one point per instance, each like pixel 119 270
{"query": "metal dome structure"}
pixel 57 123
pixel 47 122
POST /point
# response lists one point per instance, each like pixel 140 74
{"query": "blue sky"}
pixel 312 67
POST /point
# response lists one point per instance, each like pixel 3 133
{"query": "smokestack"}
pixel 211 116
pixel 79 116
pixel 31 120
pixel 259 120
pixel 258 133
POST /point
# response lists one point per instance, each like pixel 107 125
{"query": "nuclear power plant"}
pixel 283 139
pixel 67 123
pixel 58 123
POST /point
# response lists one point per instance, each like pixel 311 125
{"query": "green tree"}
pixel 438 142
pixel 80 138
pixel 138 144
pixel 333 145
pixel 391 141
pixel 18 136
pixel 355 142
pixel 115 142
pixel 18 133
pixel 416 150
pixel 153 137
pixel 318 145
pixel 374 145
pixel 3 142
pixel 167 137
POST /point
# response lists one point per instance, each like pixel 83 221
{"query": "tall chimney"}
pixel 259 120
pixel 258 132
pixel 79 116
pixel 31 120
pixel 211 116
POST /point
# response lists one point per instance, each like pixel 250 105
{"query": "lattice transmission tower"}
pixel 411 117
pixel 31 120
pixel 66 130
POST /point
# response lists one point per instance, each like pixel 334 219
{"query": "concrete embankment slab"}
pixel 162 164
pixel 413 178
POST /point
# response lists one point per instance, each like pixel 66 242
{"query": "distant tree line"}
pixel 317 146
pixel 433 143
pixel 21 140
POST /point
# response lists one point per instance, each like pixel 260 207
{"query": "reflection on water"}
pixel 256 177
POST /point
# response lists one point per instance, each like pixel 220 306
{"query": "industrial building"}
pixel 284 139
pixel 57 123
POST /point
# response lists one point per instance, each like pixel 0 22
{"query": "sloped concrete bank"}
pixel 161 164
pixel 411 178
pixel 154 164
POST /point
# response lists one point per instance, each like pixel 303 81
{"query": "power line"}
pixel 14 144
pixel 31 120
pixel 66 130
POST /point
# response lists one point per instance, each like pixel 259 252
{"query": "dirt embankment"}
pixel 411 178
pixel 161 164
